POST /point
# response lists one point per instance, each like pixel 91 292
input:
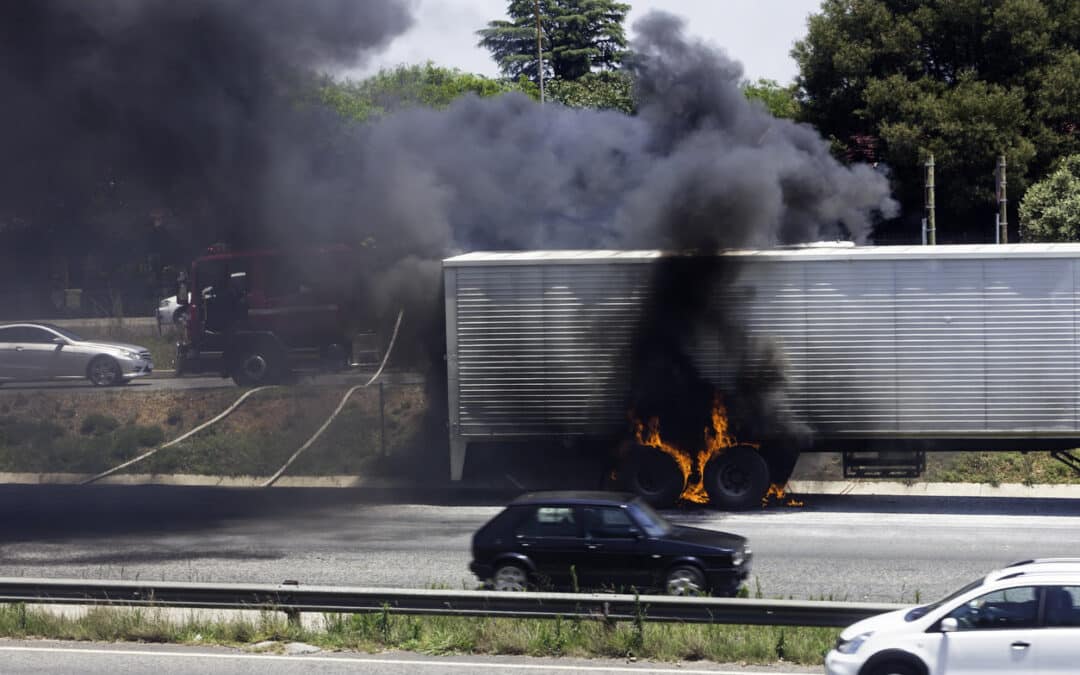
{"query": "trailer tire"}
pixel 652 475
pixel 737 479
pixel 257 364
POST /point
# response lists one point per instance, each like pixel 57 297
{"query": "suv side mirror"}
pixel 949 625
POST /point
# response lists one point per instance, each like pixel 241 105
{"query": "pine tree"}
pixel 577 37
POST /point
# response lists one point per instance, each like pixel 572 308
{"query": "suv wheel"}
pixel 894 668
pixel 510 578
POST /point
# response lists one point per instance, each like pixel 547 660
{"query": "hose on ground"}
pixel 228 411
pixel 344 399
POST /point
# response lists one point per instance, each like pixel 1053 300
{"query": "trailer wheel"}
pixel 652 475
pixel 737 479
pixel 256 365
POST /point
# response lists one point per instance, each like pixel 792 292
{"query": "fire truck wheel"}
pixel 737 479
pixel 651 475
pixel 256 365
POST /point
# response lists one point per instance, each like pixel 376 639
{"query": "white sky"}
pixel 758 33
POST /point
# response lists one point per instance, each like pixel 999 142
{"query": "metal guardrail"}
pixel 295 599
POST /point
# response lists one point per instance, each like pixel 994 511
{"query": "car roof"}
pixel 1068 568
pixel 30 324
pixel 578 497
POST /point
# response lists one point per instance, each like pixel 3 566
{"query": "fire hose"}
pixel 236 404
pixel 344 399
pixel 228 411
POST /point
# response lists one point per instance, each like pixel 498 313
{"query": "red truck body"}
pixel 251 313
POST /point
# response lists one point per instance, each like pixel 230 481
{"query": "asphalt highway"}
pixel 893 549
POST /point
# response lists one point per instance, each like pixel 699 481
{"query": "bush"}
pixel 98 424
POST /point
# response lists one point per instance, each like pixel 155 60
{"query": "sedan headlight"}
pixel 851 646
pixel 134 356
pixel 737 558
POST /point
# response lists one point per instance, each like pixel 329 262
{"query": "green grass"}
pixel 995 468
pixel 441 635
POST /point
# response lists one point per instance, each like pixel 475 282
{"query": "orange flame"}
pixel 717 439
pixel 779 492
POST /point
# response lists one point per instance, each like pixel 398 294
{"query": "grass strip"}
pixel 436 635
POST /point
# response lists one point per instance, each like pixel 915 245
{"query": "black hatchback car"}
pixel 604 540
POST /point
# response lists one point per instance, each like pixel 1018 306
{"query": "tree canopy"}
pixel 577 37
pixel 966 80
pixel 411 86
pixel 1050 211
pixel 779 101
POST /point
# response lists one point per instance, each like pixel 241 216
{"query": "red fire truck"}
pixel 251 314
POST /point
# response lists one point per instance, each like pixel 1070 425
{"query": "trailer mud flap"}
pixel 868 464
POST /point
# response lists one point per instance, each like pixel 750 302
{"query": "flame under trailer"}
pixel 888 353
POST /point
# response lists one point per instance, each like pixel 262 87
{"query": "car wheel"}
pixel 180 317
pixel 737 479
pixel 510 578
pixel 894 668
pixel 652 475
pixel 104 371
pixel 685 580
pixel 256 366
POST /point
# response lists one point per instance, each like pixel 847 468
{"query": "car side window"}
pixel 608 522
pixel 7 335
pixel 1004 609
pixel 37 335
pixel 1062 606
pixel 550 521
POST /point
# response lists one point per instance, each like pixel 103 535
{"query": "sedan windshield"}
pixel 74 337
pixel 652 522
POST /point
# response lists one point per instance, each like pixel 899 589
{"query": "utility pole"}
pixel 931 224
pixel 1003 218
pixel 539 52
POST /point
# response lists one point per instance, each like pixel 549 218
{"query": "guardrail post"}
pixel 293 618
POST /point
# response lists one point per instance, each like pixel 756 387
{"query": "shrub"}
pixel 98 424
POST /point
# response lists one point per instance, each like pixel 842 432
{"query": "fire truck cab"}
pixel 251 314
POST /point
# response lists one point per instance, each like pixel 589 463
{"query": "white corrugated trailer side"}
pixel 945 345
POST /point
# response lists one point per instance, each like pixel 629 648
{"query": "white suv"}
pixel 1024 618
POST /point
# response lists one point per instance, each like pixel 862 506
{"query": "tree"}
pixel 1050 211
pixel 779 101
pixel 577 37
pixel 966 80
pixel 603 91
pixel 403 87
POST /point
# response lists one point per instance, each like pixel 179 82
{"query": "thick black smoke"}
pixel 193 113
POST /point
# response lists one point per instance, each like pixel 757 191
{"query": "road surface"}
pixel 841 547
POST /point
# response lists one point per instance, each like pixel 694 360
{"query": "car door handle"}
pixel 593 547
pixel 1018 645
pixel 18 349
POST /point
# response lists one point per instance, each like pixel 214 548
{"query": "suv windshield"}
pixel 922 611
pixel 651 521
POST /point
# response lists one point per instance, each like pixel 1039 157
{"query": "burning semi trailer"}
pixel 880 353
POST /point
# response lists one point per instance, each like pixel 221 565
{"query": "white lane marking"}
pixel 644 667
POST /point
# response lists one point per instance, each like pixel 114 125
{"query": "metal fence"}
pixel 294 599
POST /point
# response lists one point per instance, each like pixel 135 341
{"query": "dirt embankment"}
pixel 81 433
